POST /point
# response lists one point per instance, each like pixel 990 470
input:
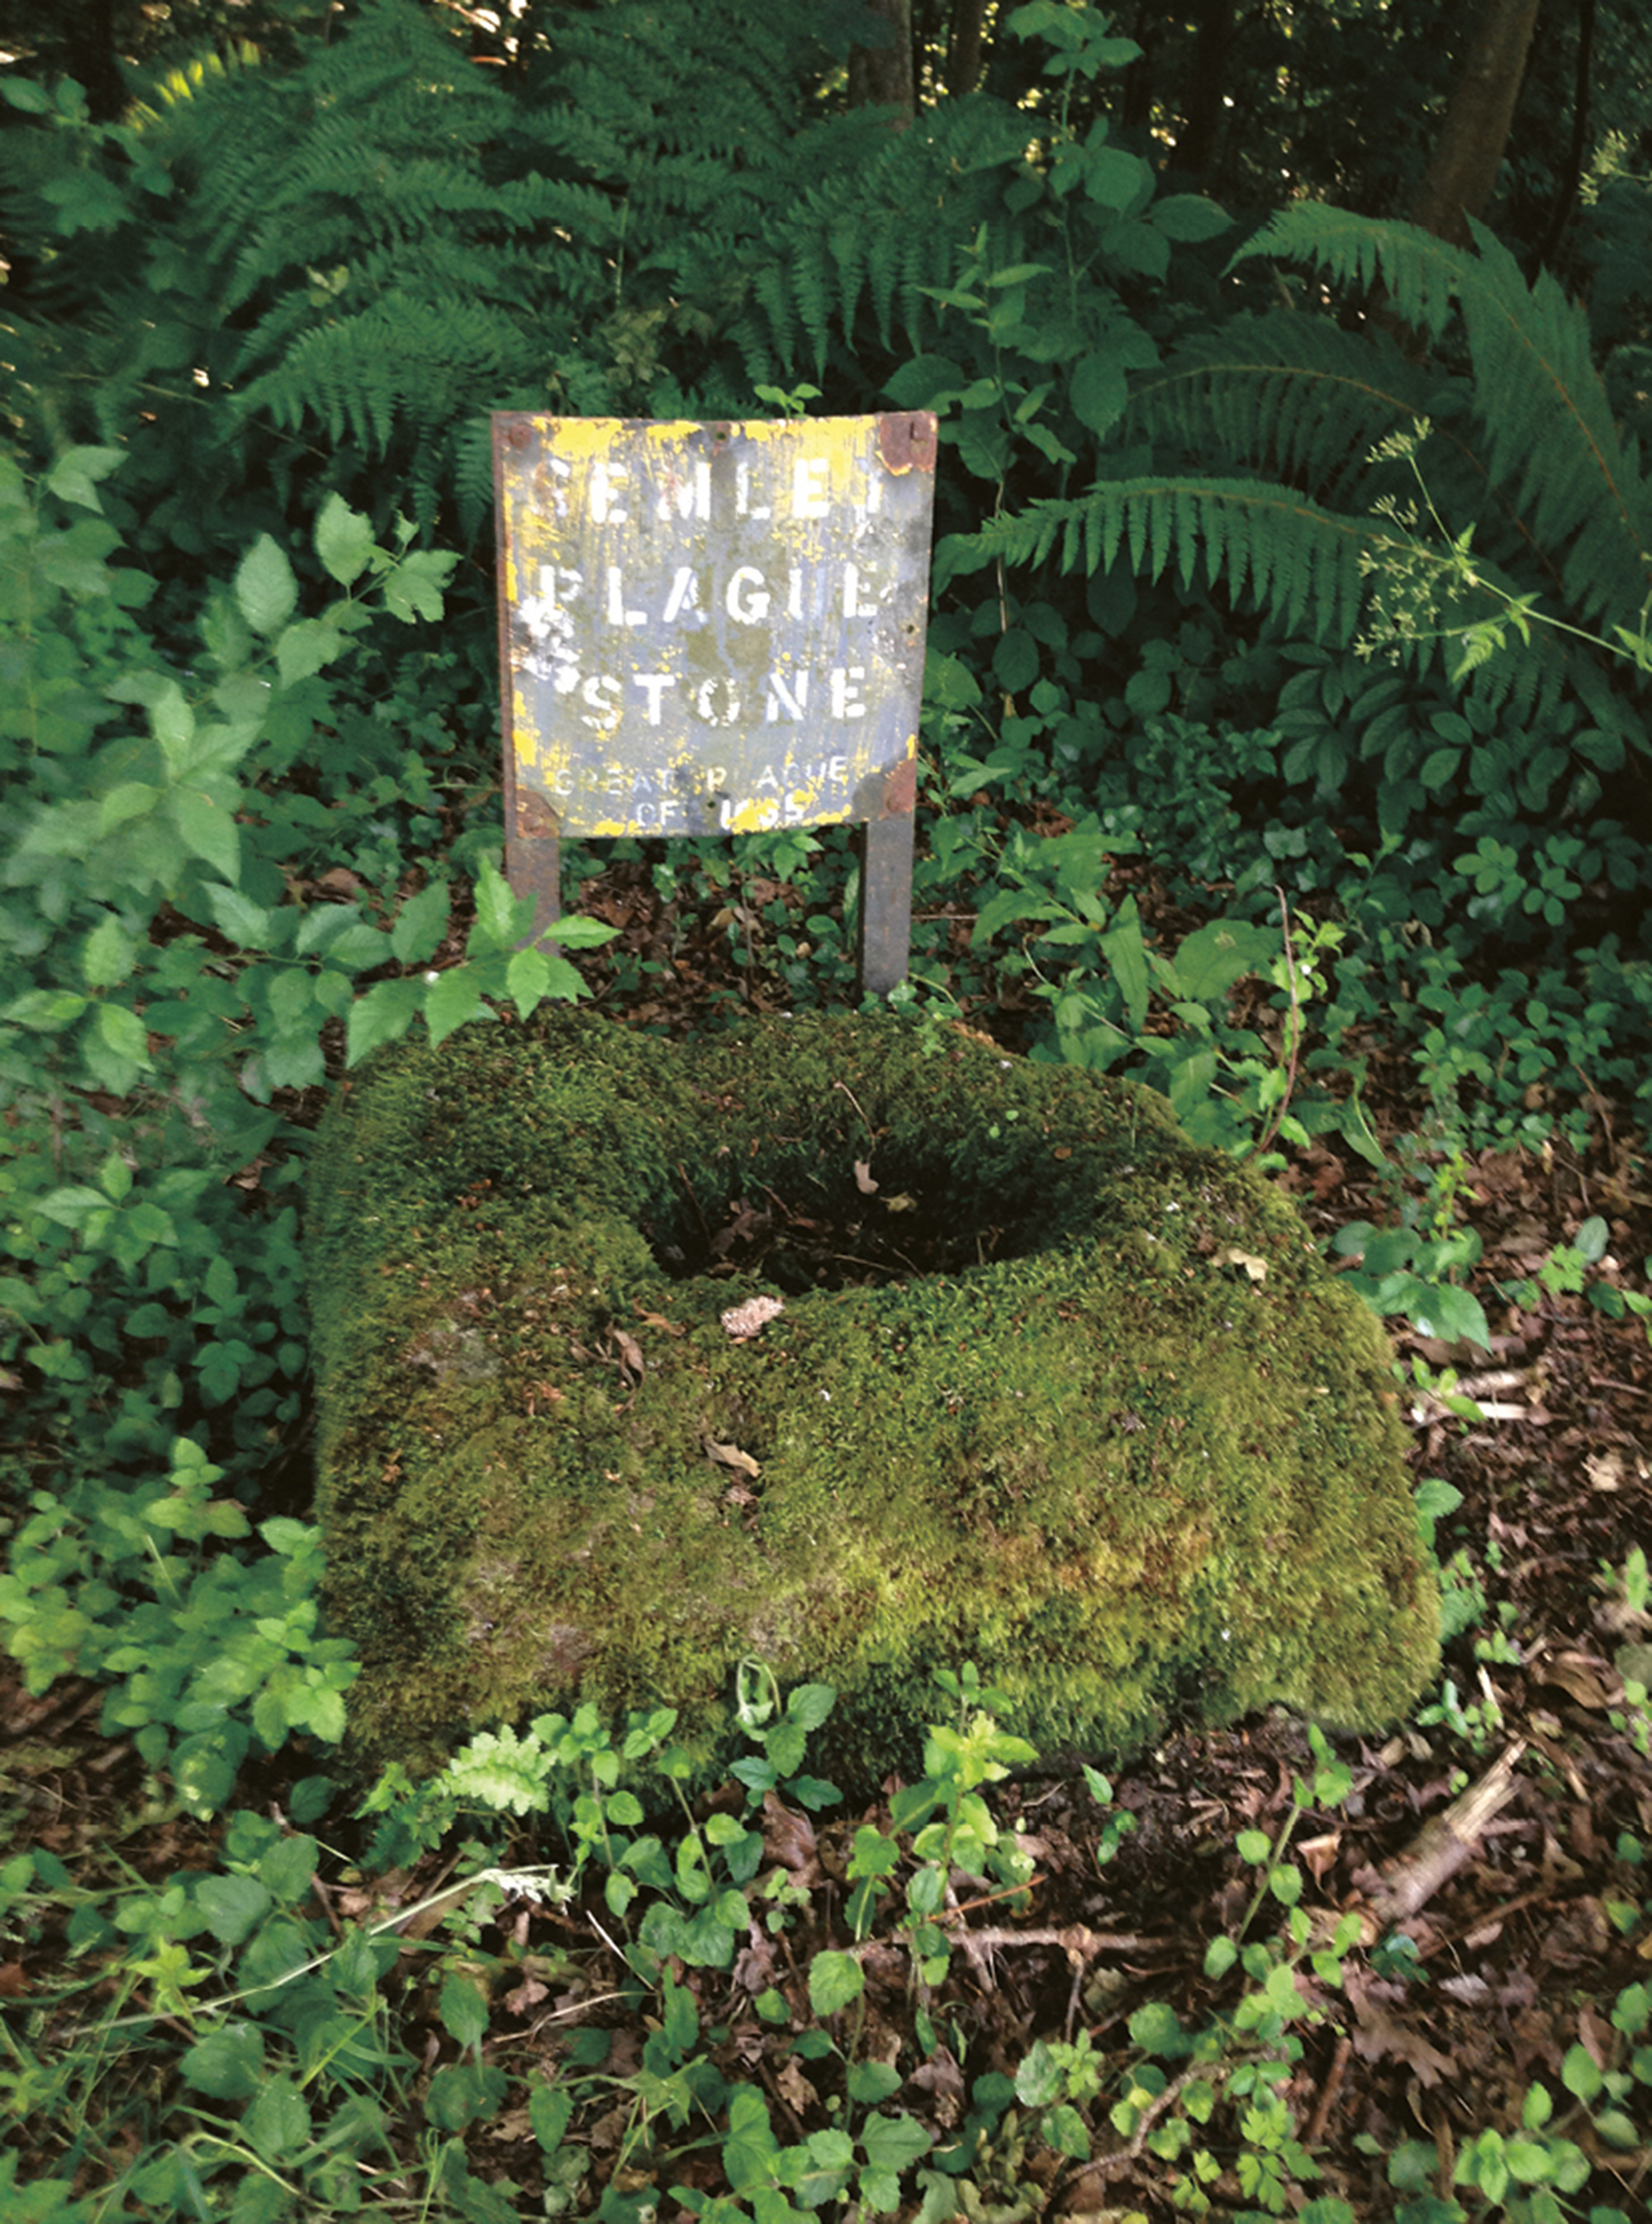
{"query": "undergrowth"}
pixel 729 2036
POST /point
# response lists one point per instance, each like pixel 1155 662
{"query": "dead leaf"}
pixel 1381 2034
pixel 900 1203
pixel 1581 1678
pixel 731 1455
pixel 863 1180
pixel 630 1352
pixel 1233 1256
pixel 794 2088
pixel 747 1320
pixel 788 1834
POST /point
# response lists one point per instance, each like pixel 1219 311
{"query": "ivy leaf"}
pixel 266 592
pixel 343 540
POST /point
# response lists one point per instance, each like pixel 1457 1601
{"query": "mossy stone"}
pixel 1107 1426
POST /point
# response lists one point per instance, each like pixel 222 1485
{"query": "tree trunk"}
pixel 965 37
pixel 881 76
pixel 1467 154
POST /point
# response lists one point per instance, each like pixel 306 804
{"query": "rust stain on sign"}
pixel 712 629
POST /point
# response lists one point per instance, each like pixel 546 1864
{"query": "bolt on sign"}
pixel 714 629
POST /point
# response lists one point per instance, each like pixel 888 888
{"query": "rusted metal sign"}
pixel 710 628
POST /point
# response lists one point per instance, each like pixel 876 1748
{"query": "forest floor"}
pixel 1495 1847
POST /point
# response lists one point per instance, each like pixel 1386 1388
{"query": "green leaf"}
pixel 228 2064
pixel 209 832
pixel 123 1037
pixel 31 99
pixel 451 1002
pixel 894 2143
pixel 278 2122
pixel 305 648
pixel 463 2009
pixel 343 540
pixel 266 592
pixel 383 1015
pixel 414 589
pixel 244 922
pixel 47 1011
pixel 131 800
pixel 834 1980
pixel 501 916
pixel 1189 217
pixel 421 923
pixel 1453 1315
pixel 1099 391
pixel 1156 2029
pixel 108 954
pixel 74 477
pixel 232 1905
pixel 809 1704
pixel 527 980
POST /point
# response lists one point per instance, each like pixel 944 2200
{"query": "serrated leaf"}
pixel 527 978
pixel 208 832
pixel 834 1980
pixel 74 477
pixel 420 924
pixel 108 954
pixel 894 2143
pixel 245 922
pixel 228 2064
pixel 501 916
pixel 414 589
pixel 129 800
pixel 305 648
pixel 232 1905
pixel 266 592
pixel 383 1015
pixel 343 540
pixel 463 2008
pixel 452 1000
pixel 278 2122
pixel 124 1036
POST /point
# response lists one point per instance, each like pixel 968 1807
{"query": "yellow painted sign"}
pixel 711 628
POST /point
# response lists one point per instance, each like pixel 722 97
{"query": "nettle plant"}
pixel 175 961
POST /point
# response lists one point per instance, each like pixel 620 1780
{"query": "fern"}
pixel 1547 505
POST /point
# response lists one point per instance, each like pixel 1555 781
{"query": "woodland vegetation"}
pixel 1285 746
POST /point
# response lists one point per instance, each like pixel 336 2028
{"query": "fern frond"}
pixel 1299 561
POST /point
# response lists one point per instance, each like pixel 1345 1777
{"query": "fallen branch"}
pixel 1445 1842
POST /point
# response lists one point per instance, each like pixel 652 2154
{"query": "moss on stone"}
pixel 1127 1445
